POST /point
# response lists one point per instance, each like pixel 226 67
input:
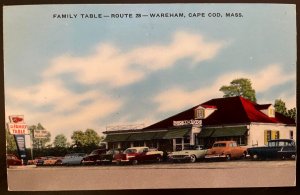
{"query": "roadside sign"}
pixel 17 126
pixel 40 134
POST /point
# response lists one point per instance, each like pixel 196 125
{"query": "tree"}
pixel 91 138
pixel 88 138
pixel 78 138
pixel 280 107
pixel 60 141
pixel 239 87
pixel 11 145
pixel 292 113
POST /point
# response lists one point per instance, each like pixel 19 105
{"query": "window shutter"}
pixel 266 137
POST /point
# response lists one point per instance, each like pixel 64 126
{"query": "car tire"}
pixel 158 159
pixel 228 157
pixel 255 157
pixel 135 162
pixel 293 157
pixel 193 158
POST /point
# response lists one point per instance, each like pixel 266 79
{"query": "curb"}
pixel 22 167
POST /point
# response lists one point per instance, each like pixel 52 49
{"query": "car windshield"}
pixel 110 152
pixel 129 150
pixel 95 152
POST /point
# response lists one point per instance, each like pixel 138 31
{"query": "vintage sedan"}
pixel 275 149
pixel 226 150
pixel 72 159
pixel 52 161
pixel 188 155
pixel 109 156
pixel 94 157
pixel 12 160
pixel 137 155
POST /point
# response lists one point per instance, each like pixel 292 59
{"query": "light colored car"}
pixel 73 159
pixel 226 150
pixel 188 155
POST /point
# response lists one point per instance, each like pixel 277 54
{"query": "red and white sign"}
pixel 17 126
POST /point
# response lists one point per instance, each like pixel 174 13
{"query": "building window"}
pixel 199 113
pixel 291 134
pixel 271 112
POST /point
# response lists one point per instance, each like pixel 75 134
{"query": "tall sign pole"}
pixel 19 129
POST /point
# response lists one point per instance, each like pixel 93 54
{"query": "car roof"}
pixel 223 142
pixel 138 148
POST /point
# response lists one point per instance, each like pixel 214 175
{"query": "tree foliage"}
pixel 60 141
pixel 239 87
pixel 281 108
pixel 87 138
pixel 11 145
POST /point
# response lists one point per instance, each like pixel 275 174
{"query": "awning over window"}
pixel 142 136
pixel 206 133
pixel 116 137
pixel 177 133
pixel 223 132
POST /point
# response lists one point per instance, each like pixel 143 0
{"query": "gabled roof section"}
pixel 262 106
pixel 231 110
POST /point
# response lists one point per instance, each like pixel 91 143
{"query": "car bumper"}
pixel 215 156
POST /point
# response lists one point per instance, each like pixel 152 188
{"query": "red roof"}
pixel 231 110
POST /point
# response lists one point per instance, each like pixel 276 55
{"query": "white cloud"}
pixel 61 110
pixel 67 110
pixel 117 68
pixel 178 98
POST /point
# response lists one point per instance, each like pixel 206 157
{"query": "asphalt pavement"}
pixel 232 174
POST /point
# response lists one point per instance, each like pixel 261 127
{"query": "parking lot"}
pixel 236 173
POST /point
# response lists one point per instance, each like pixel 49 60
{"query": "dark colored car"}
pixel 109 156
pixel 12 160
pixel 137 155
pixel 276 149
pixel 94 157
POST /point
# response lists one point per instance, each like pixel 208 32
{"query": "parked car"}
pixel 226 150
pixel 52 161
pixel 40 160
pixel 12 160
pixel 137 155
pixel 94 157
pixel 188 155
pixel 108 157
pixel 275 149
pixel 72 159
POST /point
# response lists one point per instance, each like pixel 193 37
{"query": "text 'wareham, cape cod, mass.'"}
pixel 150 15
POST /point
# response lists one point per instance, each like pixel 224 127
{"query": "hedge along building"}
pixel 232 118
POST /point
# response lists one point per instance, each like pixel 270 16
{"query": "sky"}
pixel 76 73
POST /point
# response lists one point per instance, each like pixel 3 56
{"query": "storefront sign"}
pixel 17 126
pixel 40 134
pixel 187 122
pixel 20 141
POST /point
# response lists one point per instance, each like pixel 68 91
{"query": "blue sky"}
pixel 71 74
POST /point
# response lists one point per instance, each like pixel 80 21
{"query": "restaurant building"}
pixel 232 118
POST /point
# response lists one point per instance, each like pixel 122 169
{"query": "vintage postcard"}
pixel 150 96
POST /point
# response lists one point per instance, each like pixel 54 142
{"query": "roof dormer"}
pixel 203 111
pixel 267 109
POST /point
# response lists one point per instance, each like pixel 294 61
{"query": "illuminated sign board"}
pixel 17 126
